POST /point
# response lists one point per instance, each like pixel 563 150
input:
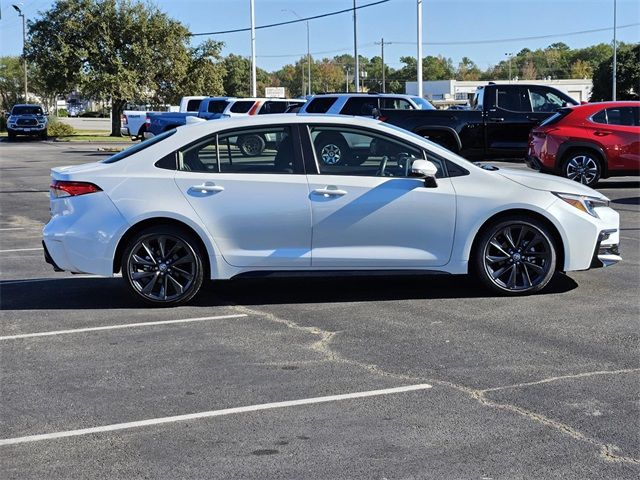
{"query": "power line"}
pixel 315 17
pixel 536 37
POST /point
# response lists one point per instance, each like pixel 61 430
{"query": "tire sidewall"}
pixel 330 139
pixel 242 145
pixel 586 153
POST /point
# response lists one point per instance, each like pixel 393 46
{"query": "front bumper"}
pixel 26 130
pixel 605 254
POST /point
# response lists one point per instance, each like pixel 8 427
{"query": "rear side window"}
pixel 361 106
pixel 320 105
pixel 139 147
pixel 626 116
pixel 217 106
pixel 512 98
pixel 242 106
pixel 273 107
pixel 193 105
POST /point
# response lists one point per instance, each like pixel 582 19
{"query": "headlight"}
pixel 584 203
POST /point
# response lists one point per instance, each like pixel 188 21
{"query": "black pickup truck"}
pixel 496 126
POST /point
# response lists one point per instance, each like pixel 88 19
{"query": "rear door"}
pixel 618 131
pixel 256 207
pixel 508 121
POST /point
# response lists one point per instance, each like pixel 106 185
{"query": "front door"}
pixel 248 188
pixel 368 212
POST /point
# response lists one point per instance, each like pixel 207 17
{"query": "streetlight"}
pixel 510 55
pixel 253 50
pixel 308 51
pixel 615 51
pixel 382 44
pixel 355 49
pixel 24 43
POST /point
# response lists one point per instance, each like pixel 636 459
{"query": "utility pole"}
pixel 382 44
pixel 615 51
pixel 419 62
pixel 355 49
pixel 346 69
pixel 510 55
pixel 24 46
pixel 308 53
pixel 253 51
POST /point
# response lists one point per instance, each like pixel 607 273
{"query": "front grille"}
pixel 27 121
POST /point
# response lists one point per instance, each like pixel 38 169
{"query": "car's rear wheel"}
pixel 332 149
pixel 251 145
pixel 515 256
pixel 163 266
pixel 582 166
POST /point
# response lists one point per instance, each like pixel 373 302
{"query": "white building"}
pixel 451 92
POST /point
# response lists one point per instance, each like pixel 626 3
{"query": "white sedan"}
pixel 187 205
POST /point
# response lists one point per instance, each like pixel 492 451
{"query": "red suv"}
pixel 588 142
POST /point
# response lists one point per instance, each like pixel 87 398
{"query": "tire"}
pixel 149 266
pixel 251 145
pixel 44 135
pixel 332 149
pixel 11 137
pixel 583 166
pixel 515 256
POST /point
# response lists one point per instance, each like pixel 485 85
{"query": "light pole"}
pixel 419 53
pixel 24 44
pixel 615 51
pixel 308 53
pixel 346 70
pixel 253 51
pixel 355 49
pixel 510 55
pixel 382 44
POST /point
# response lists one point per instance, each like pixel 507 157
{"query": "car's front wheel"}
pixel 515 256
pixel 163 266
pixel 582 166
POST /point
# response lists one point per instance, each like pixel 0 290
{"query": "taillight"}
pixel 382 118
pixel 123 119
pixel 255 108
pixel 61 188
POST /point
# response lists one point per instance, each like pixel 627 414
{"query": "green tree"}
pixel 120 51
pixel 237 78
pixel 11 81
pixel 467 70
pixel 628 76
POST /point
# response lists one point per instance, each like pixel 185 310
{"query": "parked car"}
pixel 27 119
pixel 187 205
pixel 588 142
pixel 496 126
pixel 213 108
pixel 362 104
pixel 133 123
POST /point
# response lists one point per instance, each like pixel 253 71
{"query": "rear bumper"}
pixel 533 162
pixel 148 135
pixel 124 131
pixel 49 260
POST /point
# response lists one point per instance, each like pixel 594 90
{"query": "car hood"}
pixel 549 183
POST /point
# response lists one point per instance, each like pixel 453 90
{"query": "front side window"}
pixel 395 104
pixel 359 106
pixel 356 152
pixel 543 100
pixel 256 150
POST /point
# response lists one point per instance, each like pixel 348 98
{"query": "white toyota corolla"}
pixel 326 193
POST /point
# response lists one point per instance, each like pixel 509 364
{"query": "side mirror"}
pixel 425 169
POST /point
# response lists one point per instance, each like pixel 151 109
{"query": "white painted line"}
pixel 115 327
pixel 21 250
pixel 211 413
pixel 12 228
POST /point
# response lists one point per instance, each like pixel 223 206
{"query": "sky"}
pixel 484 30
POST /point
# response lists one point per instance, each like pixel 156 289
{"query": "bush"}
pixel 58 129
pixel 62 112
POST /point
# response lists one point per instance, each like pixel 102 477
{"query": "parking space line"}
pixel 12 228
pixel 212 413
pixel 21 250
pixel 115 327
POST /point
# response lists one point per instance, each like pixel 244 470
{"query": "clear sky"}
pixel 445 21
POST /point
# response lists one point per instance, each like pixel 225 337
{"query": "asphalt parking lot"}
pixel 457 384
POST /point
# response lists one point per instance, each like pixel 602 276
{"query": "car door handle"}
pixel 496 119
pixel 330 192
pixel 533 119
pixel 601 133
pixel 207 187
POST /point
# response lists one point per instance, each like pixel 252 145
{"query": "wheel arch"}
pixel 567 147
pixel 441 131
pixel 154 222
pixel 522 212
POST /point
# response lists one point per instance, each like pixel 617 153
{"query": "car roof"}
pixel 600 105
pixel 363 94
pixel 27 105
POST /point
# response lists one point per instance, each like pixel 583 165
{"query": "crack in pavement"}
pixel 607 451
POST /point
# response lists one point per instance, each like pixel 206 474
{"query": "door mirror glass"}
pixel 423 168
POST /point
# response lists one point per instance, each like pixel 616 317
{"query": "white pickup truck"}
pixel 132 122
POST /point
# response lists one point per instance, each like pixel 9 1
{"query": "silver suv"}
pixel 362 104
pixel 27 119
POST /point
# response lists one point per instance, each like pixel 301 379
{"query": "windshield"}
pixel 26 110
pixel 423 104
pixel 139 147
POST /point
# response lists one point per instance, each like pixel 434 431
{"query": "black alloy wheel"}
pixel 163 266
